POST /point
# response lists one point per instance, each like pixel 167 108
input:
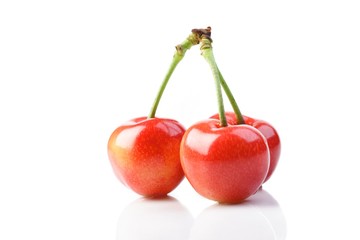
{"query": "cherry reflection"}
pixel 259 218
pixel 150 219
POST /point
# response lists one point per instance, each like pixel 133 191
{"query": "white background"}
pixel 72 71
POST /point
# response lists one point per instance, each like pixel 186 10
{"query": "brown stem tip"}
pixel 202 33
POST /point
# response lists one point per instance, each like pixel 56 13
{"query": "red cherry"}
pixel 269 133
pixel 225 164
pixel 144 154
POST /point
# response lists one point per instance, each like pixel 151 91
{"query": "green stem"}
pixel 207 53
pixel 239 117
pixel 178 56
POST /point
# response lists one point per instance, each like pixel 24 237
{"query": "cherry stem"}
pixel 181 49
pixel 206 48
pixel 239 117
pixel 207 53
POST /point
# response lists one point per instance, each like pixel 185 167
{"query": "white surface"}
pixel 72 71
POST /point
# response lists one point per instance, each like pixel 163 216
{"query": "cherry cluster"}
pixel 226 158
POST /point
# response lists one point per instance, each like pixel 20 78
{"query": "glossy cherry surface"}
pixel 269 132
pixel 225 164
pixel 144 154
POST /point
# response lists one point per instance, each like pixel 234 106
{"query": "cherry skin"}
pixel 225 164
pixel 144 154
pixel 269 133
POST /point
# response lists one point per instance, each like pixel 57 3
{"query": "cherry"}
pixel 145 151
pixel 265 128
pixel 144 154
pixel 225 164
pixel 269 132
